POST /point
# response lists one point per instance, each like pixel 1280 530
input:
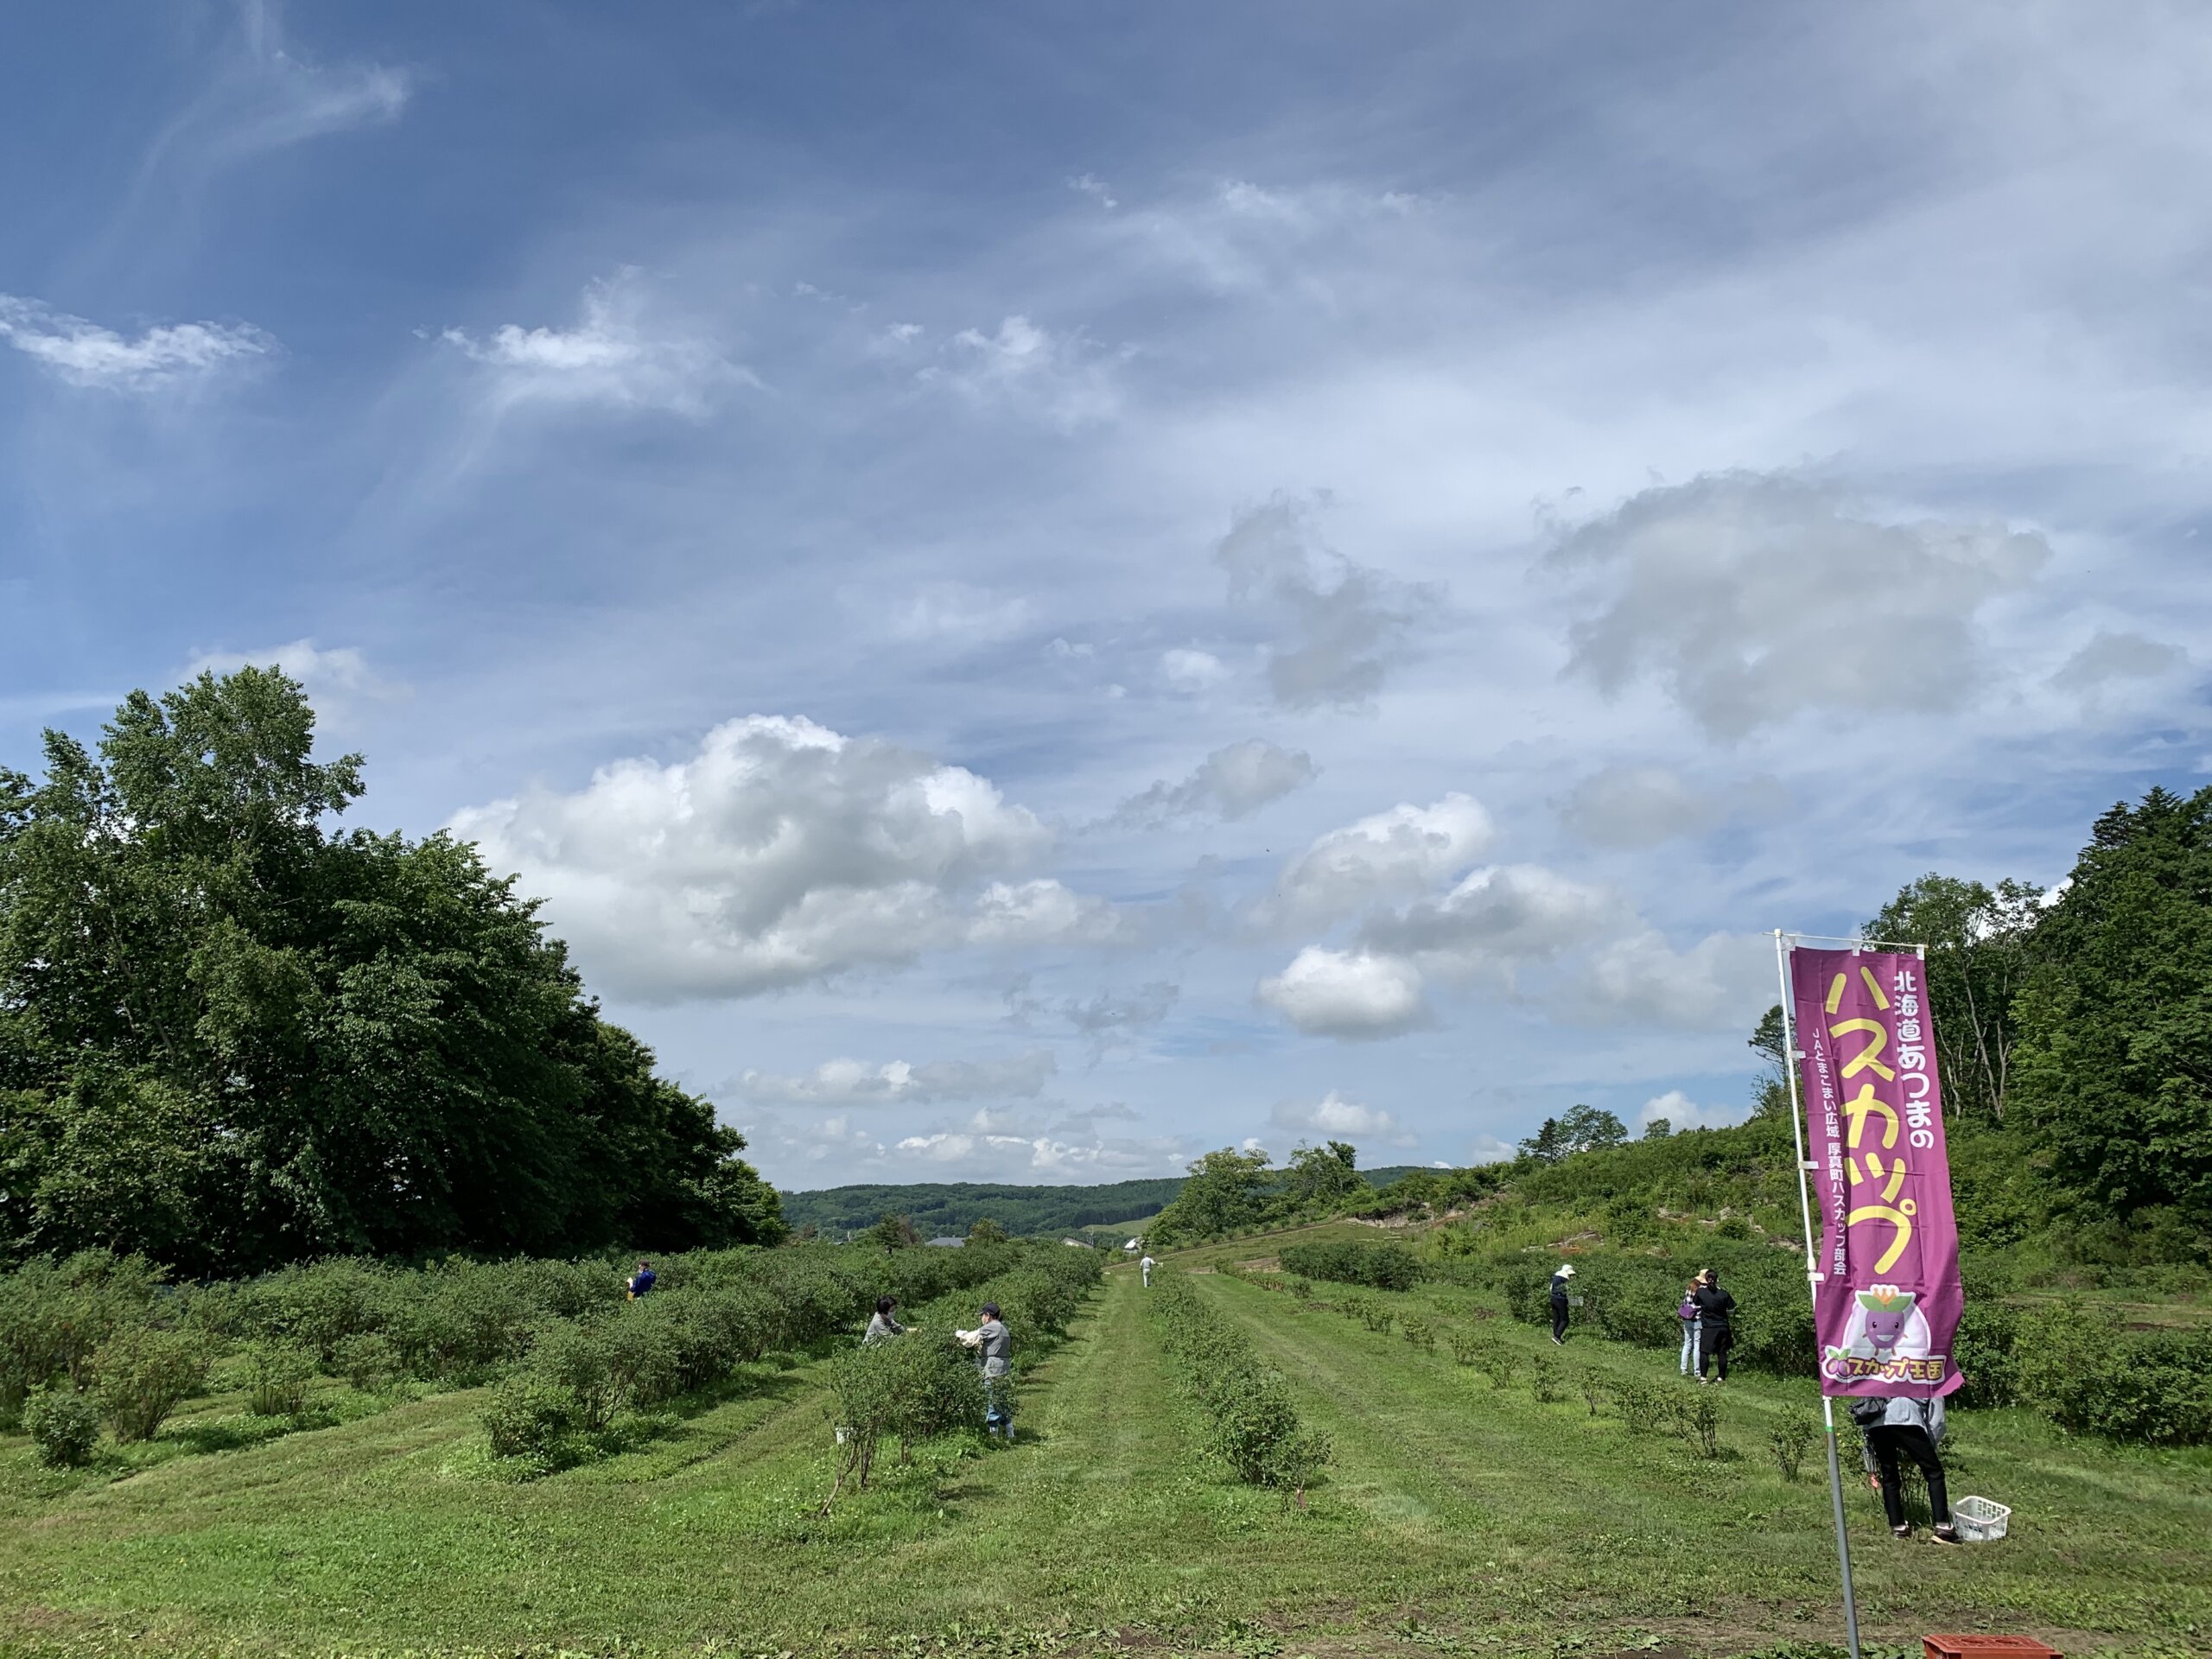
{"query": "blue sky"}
pixel 1041 587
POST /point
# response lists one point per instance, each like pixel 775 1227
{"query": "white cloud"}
pixel 839 1082
pixel 1751 597
pixel 341 670
pixel 82 353
pixel 614 356
pixel 1097 190
pixel 1191 671
pixel 1341 626
pixel 1391 854
pixel 953 610
pixel 1496 920
pixel 1489 1149
pixel 1354 993
pixel 1721 983
pixel 781 852
pixel 2110 656
pixel 1064 378
pixel 1109 1020
pixel 1333 1117
pixel 1683 1113
pixel 1232 783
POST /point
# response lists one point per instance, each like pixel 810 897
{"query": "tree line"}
pixel 233 1034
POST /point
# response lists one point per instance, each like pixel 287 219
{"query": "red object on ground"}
pixel 1988 1647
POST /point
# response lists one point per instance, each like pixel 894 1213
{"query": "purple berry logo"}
pixel 1888 1340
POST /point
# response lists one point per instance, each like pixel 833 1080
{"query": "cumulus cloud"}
pixel 781 852
pixel 614 356
pixel 1341 627
pixel 1680 1112
pixel 1110 1020
pixel 841 1083
pixel 82 353
pixel 1496 920
pixel 1190 671
pixel 1751 597
pixel 1391 854
pixel 1230 783
pixel 1354 993
pixel 1626 807
pixel 1334 1118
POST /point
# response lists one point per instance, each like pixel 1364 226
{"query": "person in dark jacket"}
pixel 1715 1334
pixel 642 1280
pixel 1907 1428
pixel 1560 1304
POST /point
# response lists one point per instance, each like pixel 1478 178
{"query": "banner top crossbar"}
pixel 1856 942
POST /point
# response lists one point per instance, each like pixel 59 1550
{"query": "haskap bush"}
pixel 1385 1266
pixel 1252 1423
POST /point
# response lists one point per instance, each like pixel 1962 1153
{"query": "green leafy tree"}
pixel 1579 1129
pixel 986 1231
pixel 1770 1095
pixel 1980 950
pixel 1323 1178
pixel 232 1034
pixel 2115 1022
pixel 1227 1190
pixel 893 1233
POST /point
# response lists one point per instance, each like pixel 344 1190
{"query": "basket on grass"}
pixel 1980 1519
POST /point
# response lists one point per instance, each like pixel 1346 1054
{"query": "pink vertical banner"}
pixel 1886 1304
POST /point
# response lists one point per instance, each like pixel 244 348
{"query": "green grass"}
pixel 1459 1517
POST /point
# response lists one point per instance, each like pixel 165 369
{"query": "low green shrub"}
pixel 529 1419
pixel 141 1375
pixel 1466 1347
pixel 277 1378
pixel 1795 1435
pixel 1419 1333
pixel 2092 1377
pixel 370 1361
pixel 1385 1266
pixel 1545 1380
pixel 1698 1421
pixel 64 1427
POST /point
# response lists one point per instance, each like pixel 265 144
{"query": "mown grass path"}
pixel 1457 1515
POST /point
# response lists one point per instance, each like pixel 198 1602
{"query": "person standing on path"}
pixel 1560 1281
pixel 993 1358
pixel 1715 1334
pixel 1688 1314
pixel 1145 1268
pixel 1910 1428
pixel 882 1327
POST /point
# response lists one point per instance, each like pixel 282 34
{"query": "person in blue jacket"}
pixel 642 1280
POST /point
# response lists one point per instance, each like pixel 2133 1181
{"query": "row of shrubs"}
pixel 1251 1422
pixel 1644 1407
pixel 1385 1266
pixel 711 1317
pixel 2077 1364
pixel 99 1338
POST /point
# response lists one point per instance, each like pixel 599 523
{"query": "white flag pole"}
pixel 1799 1133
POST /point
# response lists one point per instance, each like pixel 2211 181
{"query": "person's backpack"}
pixel 1869 1411
pixel 1687 1311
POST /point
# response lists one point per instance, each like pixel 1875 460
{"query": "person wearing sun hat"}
pixel 1560 1282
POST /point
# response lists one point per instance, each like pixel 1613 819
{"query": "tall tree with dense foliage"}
pixel 232 1035
pixel 1227 1190
pixel 1323 1178
pixel 2112 1071
pixel 1980 947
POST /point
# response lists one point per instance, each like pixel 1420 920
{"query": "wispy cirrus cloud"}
pixel 82 353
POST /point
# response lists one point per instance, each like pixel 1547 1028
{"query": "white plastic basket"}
pixel 1980 1520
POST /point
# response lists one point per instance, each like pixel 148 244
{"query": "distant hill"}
pixel 942 1208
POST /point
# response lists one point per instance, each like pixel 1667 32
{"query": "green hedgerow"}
pixel 64 1426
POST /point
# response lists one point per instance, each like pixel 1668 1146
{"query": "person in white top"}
pixel 1145 1267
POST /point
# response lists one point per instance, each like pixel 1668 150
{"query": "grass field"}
pixel 1459 1516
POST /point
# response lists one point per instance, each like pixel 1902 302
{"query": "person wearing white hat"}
pixel 1559 1301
